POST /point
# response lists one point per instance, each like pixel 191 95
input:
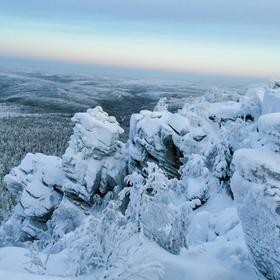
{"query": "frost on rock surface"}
pixel 36 183
pixel 91 169
pixel 95 160
pixel 157 137
pixel 271 100
pixel 269 127
pixel 256 188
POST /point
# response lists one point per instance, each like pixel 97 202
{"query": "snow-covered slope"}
pixel 191 195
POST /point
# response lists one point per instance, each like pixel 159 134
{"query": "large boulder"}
pixel 256 188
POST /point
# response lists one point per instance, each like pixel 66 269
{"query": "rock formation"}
pixel 256 188
pixel 95 161
pixel 177 182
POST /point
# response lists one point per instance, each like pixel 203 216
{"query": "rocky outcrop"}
pixel 95 161
pixel 36 183
pixel 269 127
pixel 275 84
pixel 256 188
pixel 271 100
pixel 152 140
pixel 51 191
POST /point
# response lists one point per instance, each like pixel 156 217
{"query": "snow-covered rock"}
pixel 95 160
pixel 65 218
pixel 91 171
pixel 256 188
pixel 36 183
pixel 229 110
pixel 151 139
pixel 269 127
pixel 206 226
pixel 248 107
pixel 169 140
pixel 275 84
pixel 271 101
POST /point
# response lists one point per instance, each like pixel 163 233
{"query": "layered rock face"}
pixel 271 100
pixel 95 161
pixel 36 184
pixel 47 187
pixel 152 139
pixel 190 145
pixel 269 127
pixel 172 141
pixel 256 188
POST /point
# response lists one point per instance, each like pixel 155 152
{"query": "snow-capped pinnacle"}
pixel 96 116
pixel 96 131
pixel 93 146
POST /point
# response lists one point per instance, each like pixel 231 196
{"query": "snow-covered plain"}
pixel 191 195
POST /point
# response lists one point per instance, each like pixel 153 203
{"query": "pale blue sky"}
pixel 240 38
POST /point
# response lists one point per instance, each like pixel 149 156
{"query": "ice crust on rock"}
pixel 256 188
pixel 271 101
pixel 151 140
pixel 36 183
pixel 95 160
pixel 92 166
pixel 35 169
pixel 269 127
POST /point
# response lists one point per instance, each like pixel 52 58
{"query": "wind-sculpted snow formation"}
pixel 203 179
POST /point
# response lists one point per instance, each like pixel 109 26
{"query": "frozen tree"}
pixel 113 245
pixel 194 183
pixel 149 207
pixel 161 105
